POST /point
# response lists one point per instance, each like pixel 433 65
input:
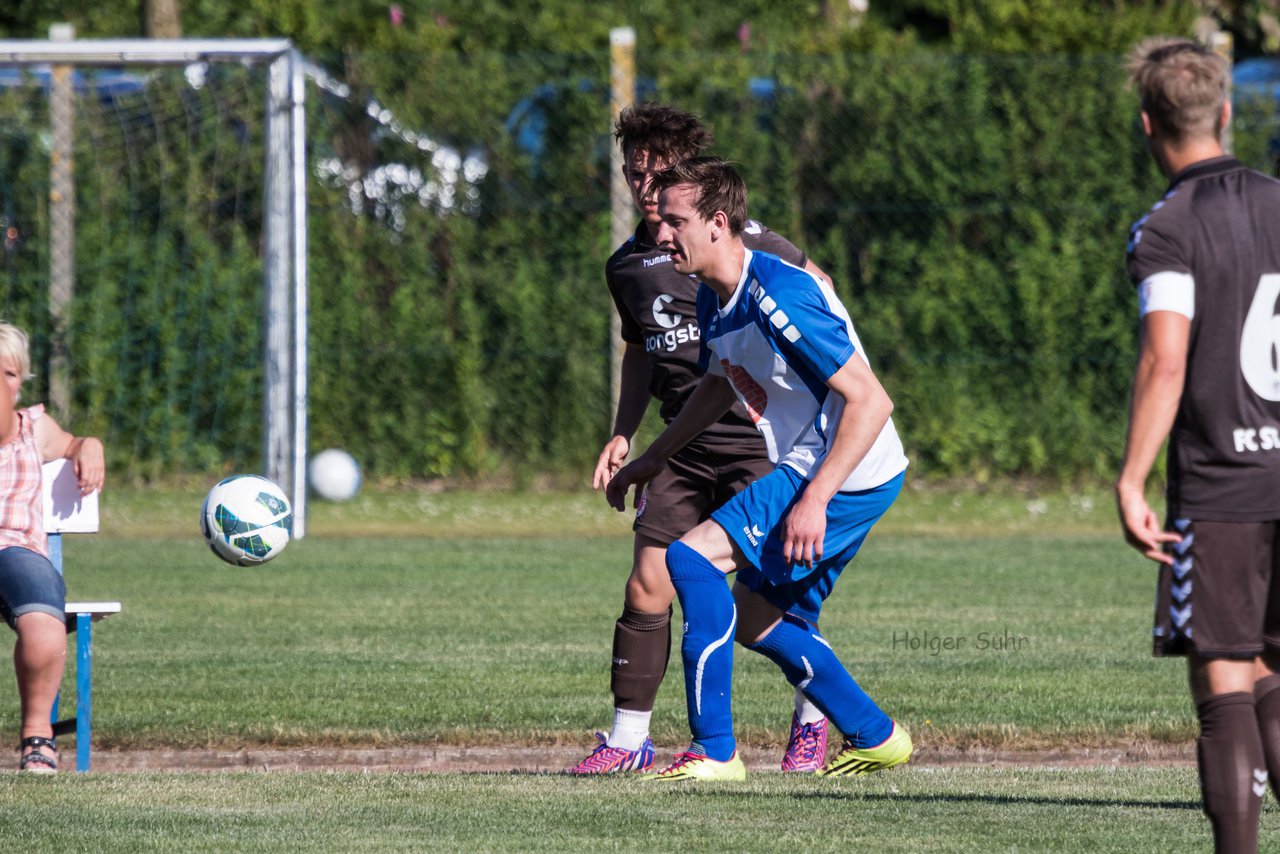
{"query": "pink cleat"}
pixel 612 760
pixel 807 747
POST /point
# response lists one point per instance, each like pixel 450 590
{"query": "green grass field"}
pixel 1017 623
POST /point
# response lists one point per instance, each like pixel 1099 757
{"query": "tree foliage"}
pixel 966 172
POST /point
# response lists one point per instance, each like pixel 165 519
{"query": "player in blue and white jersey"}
pixel 778 339
pixel 657 308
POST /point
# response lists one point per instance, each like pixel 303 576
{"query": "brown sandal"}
pixel 37 761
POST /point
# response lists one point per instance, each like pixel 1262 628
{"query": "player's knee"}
pixel 688 565
pixel 649 588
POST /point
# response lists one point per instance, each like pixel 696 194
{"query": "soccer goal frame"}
pixel 284 224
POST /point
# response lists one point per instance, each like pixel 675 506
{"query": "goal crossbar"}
pixel 141 51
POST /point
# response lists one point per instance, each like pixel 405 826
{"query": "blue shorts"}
pixel 29 583
pixel 753 519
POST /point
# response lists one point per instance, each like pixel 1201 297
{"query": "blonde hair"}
pixel 1183 86
pixel 15 348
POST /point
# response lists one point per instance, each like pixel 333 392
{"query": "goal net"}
pixel 153 247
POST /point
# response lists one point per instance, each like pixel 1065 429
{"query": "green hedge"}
pixel 973 211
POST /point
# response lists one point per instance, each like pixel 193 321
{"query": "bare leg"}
pixel 39 657
pixel 649 588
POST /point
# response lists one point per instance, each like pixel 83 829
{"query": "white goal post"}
pixel 284 224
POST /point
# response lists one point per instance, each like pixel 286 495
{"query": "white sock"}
pixel 630 729
pixel 806 711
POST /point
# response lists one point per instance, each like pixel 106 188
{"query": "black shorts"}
pixel 1221 597
pixel 696 480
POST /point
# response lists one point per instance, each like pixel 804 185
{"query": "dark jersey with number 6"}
pixel 1219 224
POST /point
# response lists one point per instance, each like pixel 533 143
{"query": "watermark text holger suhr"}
pixel 932 643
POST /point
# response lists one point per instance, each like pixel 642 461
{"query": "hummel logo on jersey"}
pixel 656 260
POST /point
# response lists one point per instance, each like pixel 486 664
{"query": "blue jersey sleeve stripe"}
pixel 799 314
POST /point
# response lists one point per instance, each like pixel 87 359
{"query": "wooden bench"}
pixel 66 511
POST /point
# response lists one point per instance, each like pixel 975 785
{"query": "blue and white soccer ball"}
pixel 246 520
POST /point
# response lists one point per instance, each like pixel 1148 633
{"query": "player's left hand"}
pixel 637 473
pixel 90 466
pixel 803 531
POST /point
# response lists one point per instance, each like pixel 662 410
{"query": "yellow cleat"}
pixel 855 761
pixel 695 766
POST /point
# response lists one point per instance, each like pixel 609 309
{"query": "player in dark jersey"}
pixel 660 333
pixel 1206 262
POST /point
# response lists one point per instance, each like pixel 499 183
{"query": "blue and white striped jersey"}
pixel 777 341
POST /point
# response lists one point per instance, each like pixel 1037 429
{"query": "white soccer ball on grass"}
pixel 334 475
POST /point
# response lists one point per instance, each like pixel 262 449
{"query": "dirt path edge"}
pixel 551 759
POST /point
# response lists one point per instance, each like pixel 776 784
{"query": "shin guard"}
pixel 641 647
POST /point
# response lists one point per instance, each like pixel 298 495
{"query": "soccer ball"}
pixel 334 475
pixel 246 520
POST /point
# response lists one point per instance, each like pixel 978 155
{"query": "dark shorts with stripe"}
pixel 1221 596
pixel 697 479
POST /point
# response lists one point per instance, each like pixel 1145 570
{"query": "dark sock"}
pixel 641 647
pixel 1232 774
pixel 1267 696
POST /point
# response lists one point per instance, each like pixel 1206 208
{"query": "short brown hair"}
pixel 1182 85
pixel 719 186
pixel 665 132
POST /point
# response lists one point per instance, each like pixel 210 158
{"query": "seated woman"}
pixel 32 593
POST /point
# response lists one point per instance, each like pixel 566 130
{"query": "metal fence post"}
pixel 622 92
pixel 62 227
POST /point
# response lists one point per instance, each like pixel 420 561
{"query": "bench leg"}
pixel 84 686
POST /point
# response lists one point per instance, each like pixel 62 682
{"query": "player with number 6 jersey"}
pixel 1206 263
pixel 1210 250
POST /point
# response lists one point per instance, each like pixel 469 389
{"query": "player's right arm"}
pixel 1165 284
pixel 633 400
pixel 85 452
pixel 1157 388
pixel 710 400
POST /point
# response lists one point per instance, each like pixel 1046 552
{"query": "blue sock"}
pixel 810 665
pixel 707 649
